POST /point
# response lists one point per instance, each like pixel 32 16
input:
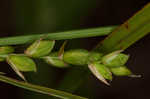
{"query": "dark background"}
pixel 18 17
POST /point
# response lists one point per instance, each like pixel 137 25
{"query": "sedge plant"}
pixel 105 60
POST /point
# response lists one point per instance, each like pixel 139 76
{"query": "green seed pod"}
pixel 76 57
pixel 121 71
pixel 95 56
pixel 101 72
pixel 115 59
pixel 21 63
pixel 5 50
pixel 40 48
pixel 54 60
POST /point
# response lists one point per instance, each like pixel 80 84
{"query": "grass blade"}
pixel 128 33
pixel 57 36
pixel 40 89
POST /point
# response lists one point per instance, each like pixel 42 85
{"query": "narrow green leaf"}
pixel 101 31
pixel 128 33
pixel 40 89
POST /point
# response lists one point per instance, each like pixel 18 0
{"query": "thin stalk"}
pixel 101 31
pixel 40 89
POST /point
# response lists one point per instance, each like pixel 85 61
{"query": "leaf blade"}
pixel 40 89
pixel 128 33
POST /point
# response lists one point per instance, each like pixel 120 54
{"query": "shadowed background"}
pixel 22 17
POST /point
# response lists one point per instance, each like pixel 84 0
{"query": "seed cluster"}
pixel 102 66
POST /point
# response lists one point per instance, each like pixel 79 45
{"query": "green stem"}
pixel 101 31
pixel 40 89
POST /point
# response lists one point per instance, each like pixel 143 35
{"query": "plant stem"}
pixel 40 89
pixel 101 31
